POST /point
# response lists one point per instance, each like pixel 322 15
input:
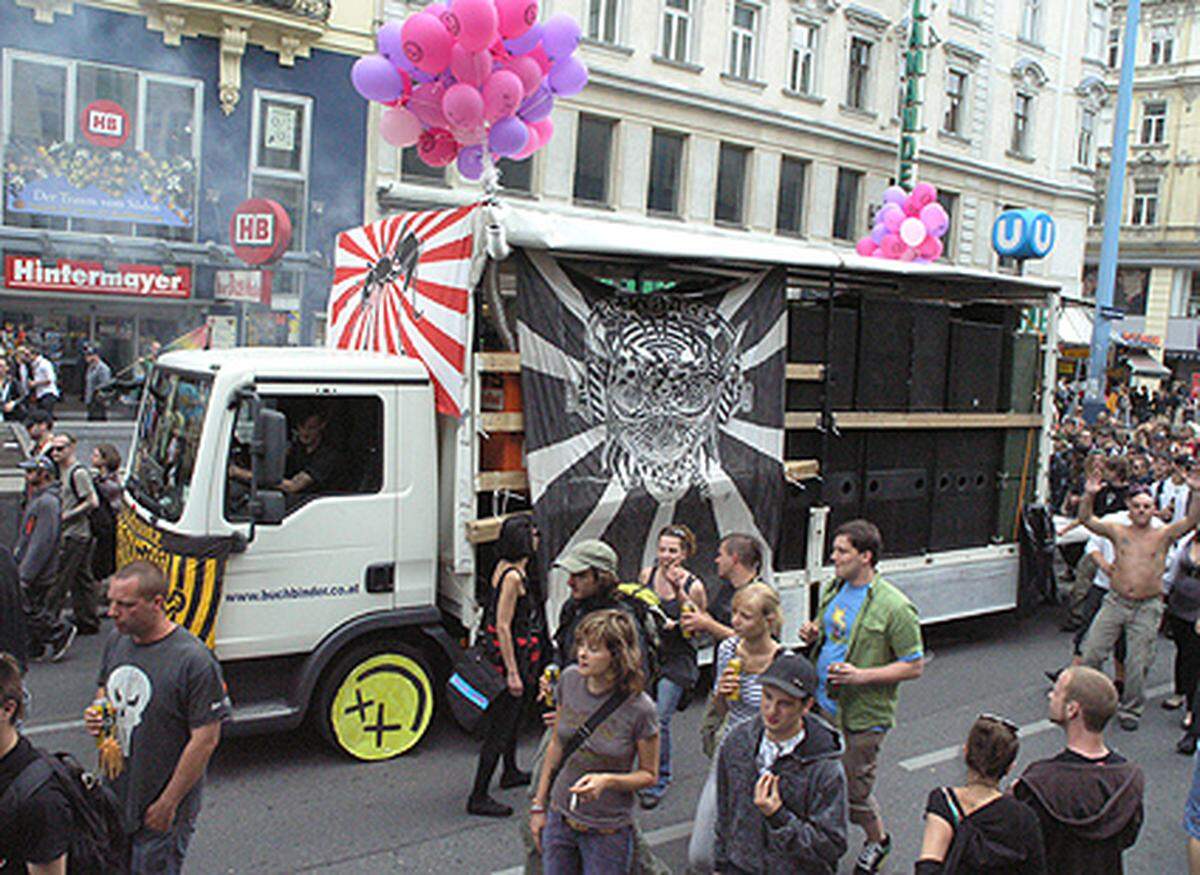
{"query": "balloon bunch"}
pixel 463 76
pixel 908 227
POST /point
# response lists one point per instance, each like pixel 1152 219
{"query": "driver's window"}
pixel 335 447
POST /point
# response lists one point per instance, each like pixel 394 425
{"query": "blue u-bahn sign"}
pixel 1023 234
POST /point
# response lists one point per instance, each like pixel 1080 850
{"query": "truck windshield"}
pixel 168 434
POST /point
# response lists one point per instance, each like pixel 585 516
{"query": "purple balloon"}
pixel 391 44
pixel 935 218
pixel 567 77
pixel 538 105
pixel 375 78
pixel 878 233
pixel 526 42
pixel 560 35
pixel 895 195
pixel 470 162
pixel 508 136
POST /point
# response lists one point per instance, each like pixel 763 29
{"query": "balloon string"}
pixel 491 177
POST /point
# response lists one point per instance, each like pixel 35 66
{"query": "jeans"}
pixel 1088 608
pixel 1139 620
pixel 1187 658
pixel 75 580
pixel 161 853
pixel 566 851
pixel 669 696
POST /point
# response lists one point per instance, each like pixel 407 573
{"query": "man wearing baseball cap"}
pixel 37 558
pixel 781 791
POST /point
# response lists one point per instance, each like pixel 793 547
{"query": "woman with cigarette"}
pixel 582 814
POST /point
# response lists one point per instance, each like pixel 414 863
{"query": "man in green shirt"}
pixel 866 639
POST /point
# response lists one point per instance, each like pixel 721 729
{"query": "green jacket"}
pixel 886 629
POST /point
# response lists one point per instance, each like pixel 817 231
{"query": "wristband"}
pixel 535 808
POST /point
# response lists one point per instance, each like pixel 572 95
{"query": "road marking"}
pixel 946 754
pixel 47 728
pixel 660 836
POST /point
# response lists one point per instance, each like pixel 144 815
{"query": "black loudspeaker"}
pixel 930 354
pixel 896 489
pixel 976 352
pixel 793 535
pixel 806 345
pixel 885 337
pixel 964 489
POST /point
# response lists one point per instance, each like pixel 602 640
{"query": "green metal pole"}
pixel 914 80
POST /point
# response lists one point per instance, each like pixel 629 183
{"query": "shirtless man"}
pixel 1134 604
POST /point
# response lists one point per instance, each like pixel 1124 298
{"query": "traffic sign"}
pixel 1024 234
pixel 1113 314
pixel 260 231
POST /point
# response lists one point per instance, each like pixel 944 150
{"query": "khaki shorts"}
pixel 862 752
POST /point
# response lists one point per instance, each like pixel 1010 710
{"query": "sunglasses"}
pixel 1003 721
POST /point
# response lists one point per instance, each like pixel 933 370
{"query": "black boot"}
pixel 514 777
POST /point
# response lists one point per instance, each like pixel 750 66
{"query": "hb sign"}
pixel 1023 234
pixel 104 123
pixel 260 231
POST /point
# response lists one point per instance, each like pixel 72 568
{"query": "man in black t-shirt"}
pixel 33 838
pixel 312 464
pixel 1088 798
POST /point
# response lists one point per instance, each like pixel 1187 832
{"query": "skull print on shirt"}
pixel 130 691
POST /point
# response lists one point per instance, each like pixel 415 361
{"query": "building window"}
pixel 789 214
pixel 956 98
pixel 802 71
pixel 1031 20
pixel 1098 206
pixel 593 159
pixel 949 202
pixel 1154 122
pixel 1087 137
pixel 666 170
pixel 1097 28
pixel 516 175
pixel 845 204
pixel 1145 202
pixel 603 17
pixel 965 8
pixel 1162 44
pixel 1022 123
pixel 49 113
pixel 858 77
pixel 677 30
pixel 743 33
pixel 731 184
pixel 1114 47
pixel 413 169
pixel 279 158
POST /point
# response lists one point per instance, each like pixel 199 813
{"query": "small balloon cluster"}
pixel 908 227
pixel 463 76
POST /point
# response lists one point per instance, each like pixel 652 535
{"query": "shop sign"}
pixel 1136 338
pixel 28 272
pixel 222 332
pixel 260 231
pixel 105 123
pixel 1023 234
pixel 81 181
pixel 252 286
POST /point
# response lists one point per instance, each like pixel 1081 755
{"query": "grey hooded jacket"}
pixel 37 542
pixel 808 834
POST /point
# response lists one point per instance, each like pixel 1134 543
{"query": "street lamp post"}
pixel 910 114
pixel 1093 401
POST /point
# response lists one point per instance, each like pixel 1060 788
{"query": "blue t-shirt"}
pixel 838 622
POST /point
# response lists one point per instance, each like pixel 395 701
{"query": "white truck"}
pixel 347 602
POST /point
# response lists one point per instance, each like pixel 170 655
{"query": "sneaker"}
pixel 1186 745
pixel 486 806
pixel 872 856
pixel 58 649
pixel 1172 703
pixel 649 800
pixel 1128 723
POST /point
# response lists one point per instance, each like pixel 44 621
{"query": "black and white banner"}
pixel 643 410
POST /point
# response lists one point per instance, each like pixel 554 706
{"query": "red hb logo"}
pixel 106 124
pixel 254 229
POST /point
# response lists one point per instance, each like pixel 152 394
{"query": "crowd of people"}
pixel 29 383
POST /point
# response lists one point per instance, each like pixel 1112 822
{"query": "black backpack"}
pixel 98 843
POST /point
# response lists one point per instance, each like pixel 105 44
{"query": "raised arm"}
pixel 1189 522
pixel 1087 510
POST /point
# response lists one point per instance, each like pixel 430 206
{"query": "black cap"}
pixel 39 463
pixel 792 674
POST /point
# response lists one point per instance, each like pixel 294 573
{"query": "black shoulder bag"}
pixel 584 732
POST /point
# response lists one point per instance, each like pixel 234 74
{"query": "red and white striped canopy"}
pixel 402 285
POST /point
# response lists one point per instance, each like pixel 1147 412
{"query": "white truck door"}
pixel 334 555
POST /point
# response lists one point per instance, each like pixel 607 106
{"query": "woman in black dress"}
pixel 976 827
pixel 1183 625
pixel 513 635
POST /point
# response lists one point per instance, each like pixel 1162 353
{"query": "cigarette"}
pixel 574 800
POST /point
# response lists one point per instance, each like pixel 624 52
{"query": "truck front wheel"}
pixel 376 700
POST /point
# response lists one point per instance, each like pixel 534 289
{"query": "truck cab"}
pixel 326 604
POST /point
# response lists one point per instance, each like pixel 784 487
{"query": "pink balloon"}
pixel 910 206
pixel 472 68
pixel 516 16
pixel 931 248
pixel 437 147
pixel 892 247
pixel 473 23
pixel 531 146
pixel 935 219
pixel 891 216
pixel 462 106
pixel 544 130
pixel 912 231
pixel 909 254
pixel 502 94
pixel 923 194
pixel 426 43
pixel 399 127
pixel 865 246
pixel 426 104
pixel 470 136
pixel 539 55
pixel 528 72
pixel 437 10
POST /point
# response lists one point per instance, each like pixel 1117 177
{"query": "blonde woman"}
pixel 679 590
pixel 737 694
pixel 582 815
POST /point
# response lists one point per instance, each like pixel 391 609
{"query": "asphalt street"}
pixel 286 803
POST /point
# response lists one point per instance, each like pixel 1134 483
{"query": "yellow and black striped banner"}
pixel 195 570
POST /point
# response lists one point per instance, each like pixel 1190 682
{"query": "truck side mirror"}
pixel 270 448
pixel 269 507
